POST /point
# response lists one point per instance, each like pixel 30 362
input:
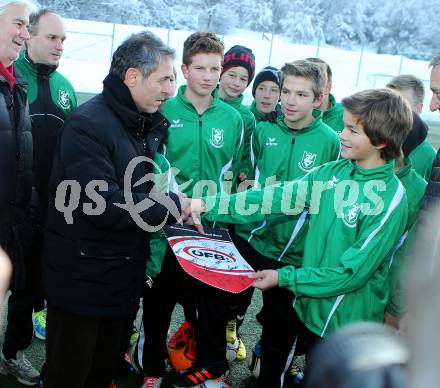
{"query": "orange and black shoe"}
pixel 198 375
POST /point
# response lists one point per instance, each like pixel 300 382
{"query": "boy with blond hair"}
pixel 332 110
pixel 282 151
pixel 358 211
pixel 411 88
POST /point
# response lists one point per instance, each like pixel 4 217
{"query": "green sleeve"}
pixel 279 200
pixel 358 263
pixel 249 126
pixel 163 183
pixel 254 153
pixel 238 151
pixel 74 100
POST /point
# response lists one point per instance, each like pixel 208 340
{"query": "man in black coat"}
pixel 432 195
pixel 101 210
pixel 15 173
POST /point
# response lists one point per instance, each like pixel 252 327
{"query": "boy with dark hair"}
pixel 411 88
pixel 333 111
pixel 237 74
pixel 358 211
pixel 205 141
pixel 266 91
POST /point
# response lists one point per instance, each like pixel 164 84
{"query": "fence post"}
pixel 359 66
pixel 270 49
pixel 317 48
pixel 113 42
pixel 401 64
pixel 168 36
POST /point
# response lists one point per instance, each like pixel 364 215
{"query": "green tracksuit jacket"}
pixel 415 187
pixel 344 277
pixel 51 98
pixel 282 154
pixel 203 147
pixel 248 126
pixel 422 158
pixel 334 117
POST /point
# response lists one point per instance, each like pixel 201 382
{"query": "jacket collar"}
pixel 317 121
pixel 19 80
pixel 257 114
pixel 188 104
pixel 37 68
pixel 119 98
pixel 235 103
pixel 359 173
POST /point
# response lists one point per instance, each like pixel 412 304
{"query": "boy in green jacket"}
pixel 412 89
pixel 333 112
pixel 358 211
pixel 204 144
pixel 282 151
pixel 237 74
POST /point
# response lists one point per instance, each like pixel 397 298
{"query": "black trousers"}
pixel 207 307
pixel 81 352
pixel 282 329
pixel 22 302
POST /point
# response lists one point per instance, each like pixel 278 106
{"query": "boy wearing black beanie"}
pixel 266 90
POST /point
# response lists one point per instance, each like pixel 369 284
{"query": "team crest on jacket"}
pixel 217 138
pixel 307 161
pixel 63 99
pixel 351 214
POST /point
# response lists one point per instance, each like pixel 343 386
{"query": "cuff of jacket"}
pixel 286 277
pixel 175 198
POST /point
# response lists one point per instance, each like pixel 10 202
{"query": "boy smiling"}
pixel 344 276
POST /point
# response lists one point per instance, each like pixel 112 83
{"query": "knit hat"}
pixel 269 73
pixel 240 56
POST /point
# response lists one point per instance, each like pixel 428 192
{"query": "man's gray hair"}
pixel 435 61
pixel 30 5
pixel 141 51
pixel 409 82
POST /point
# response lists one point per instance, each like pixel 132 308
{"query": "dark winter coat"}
pixel 432 194
pixel 15 175
pixel 95 266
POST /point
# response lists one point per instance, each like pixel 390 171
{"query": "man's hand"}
pixel 391 320
pixel 266 279
pixel 5 274
pixel 191 214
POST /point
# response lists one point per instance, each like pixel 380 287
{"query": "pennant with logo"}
pixel 211 258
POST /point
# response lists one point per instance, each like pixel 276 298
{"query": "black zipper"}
pixel 290 157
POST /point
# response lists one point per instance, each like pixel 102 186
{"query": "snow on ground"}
pixel 90 44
